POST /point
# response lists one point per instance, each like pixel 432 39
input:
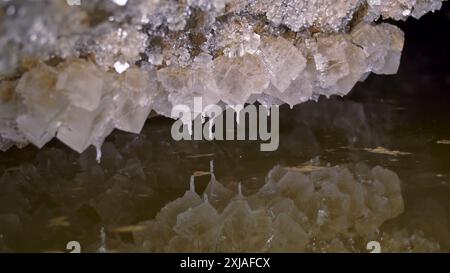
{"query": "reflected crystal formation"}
pixel 310 208
pixel 77 72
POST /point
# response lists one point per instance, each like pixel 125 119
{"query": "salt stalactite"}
pixel 98 156
pixel 192 184
pixel 102 248
pixel 210 128
pixel 190 126
pixel 237 109
pixel 211 171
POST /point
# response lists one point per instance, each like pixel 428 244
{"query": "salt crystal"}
pixel 121 67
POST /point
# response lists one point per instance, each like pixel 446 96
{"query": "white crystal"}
pixel 121 67
pixel 82 82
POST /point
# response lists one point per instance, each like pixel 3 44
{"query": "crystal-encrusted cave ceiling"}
pixel 77 72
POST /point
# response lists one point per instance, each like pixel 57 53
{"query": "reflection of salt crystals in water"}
pixel 211 171
pixel 102 248
pixel 192 184
pixel 402 240
pixel 321 217
pixel 81 102
pixel 324 209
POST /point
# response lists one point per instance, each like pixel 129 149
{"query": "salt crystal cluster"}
pixel 310 208
pixel 78 70
pixel 77 102
pixel 402 240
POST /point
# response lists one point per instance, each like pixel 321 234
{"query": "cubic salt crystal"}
pixel 38 117
pixel 283 61
pixel 238 78
pixel 134 100
pixel 394 54
pixel 82 82
pixel 186 83
pixel 76 128
pixel 382 45
pixel 299 91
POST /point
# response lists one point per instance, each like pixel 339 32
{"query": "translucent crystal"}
pixel 383 55
pixel 284 62
pixel 238 78
pixel 134 99
pixel 42 106
pixel 82 82
pixel 195 81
